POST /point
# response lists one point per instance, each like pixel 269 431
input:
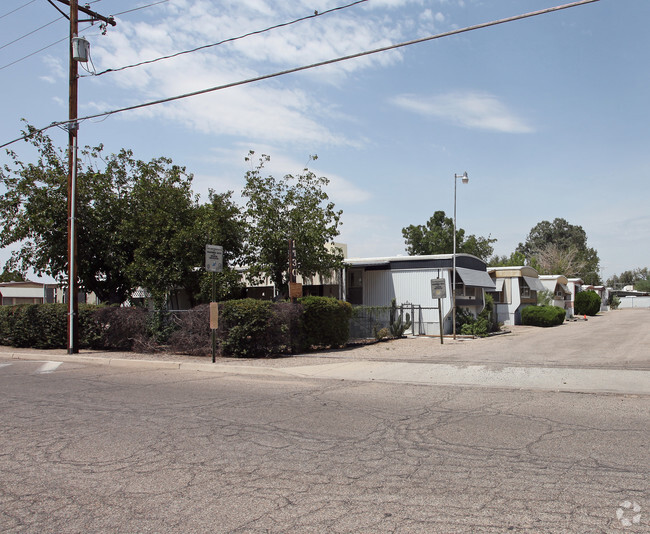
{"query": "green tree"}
pixel 558 246
pixel 293 207
pixel 138 223
pixel 629 278
pixel 437 237
pixel 221 222
pixel 11 276
pixel 161 228
pixel 516 259
pixel 642 285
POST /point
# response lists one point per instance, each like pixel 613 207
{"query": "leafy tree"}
pixel 293 207
pixel 437 237
pixel 221 222
pixel 11 276
pixel 642 285
pixel 557 244
pixel 629 278
pixel 138 223
pixel 516 259
pixel 161 228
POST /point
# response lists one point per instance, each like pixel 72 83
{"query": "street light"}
pixel 465 179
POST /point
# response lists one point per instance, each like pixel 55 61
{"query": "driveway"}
pixel 618 339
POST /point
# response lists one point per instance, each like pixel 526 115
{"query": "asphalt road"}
pixel 89 448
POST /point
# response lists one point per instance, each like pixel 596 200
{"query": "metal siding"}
pixel 377 288
pixel 414 286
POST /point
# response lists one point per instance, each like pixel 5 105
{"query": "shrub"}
pixel 6 313
pixel 542 315
pixel 382 333
pixel 545 297
pixel 249 328
pixel 587 303
pixel 116 328
pixel 193 335
pixel 613 302
pixel 326 321
pixel 479 328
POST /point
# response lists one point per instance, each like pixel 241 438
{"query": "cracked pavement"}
pixel 137 448
pixel 93 449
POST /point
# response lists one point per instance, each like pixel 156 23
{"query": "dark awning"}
pixel 534 283
pixel 499 285
pixel 473 278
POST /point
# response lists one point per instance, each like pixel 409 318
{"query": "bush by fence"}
pixel 326 321
pixel 247 328
pixel 543 315
pixel 256 328
pixel 587 303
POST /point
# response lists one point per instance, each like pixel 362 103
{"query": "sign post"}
pixel 214 264
pixel 439 291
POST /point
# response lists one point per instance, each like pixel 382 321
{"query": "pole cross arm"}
pixel 91 13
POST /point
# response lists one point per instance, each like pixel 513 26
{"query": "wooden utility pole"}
pixel 73 300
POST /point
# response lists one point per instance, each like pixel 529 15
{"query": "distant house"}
pixel 557 284
pixel 407 279
pixel 13 293
pixel 575 286
pixel 602 292
pixel 515 288
pixel 320 286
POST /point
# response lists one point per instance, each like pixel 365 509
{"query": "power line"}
pixel 30 33
pixel 17 9
pixel 65 38
pixel 138 8
pixel 40 50
pixel 257 32
pixel 311 66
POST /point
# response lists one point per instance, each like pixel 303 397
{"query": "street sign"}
pixel 213 258
pixel 438 288
pixel 295 290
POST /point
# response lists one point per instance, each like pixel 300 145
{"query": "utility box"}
pixel 80 49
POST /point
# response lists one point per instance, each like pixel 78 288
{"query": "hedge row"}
pixel 45 326
pixel 543 315
pixel 247 328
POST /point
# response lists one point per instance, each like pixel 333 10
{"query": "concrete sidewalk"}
pixel 617 381
pixel 609 353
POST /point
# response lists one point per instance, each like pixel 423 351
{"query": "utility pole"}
pixel 73 299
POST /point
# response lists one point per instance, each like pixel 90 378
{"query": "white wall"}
pixel 635 302
pixel 411 286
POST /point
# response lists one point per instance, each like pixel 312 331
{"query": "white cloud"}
pixel 283 109
pixel 55 70
pixel 469 109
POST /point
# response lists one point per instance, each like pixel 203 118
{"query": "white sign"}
pixel 438 288
pixel 213 258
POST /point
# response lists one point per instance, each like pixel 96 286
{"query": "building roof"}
pixel 513 272
pixel 435 261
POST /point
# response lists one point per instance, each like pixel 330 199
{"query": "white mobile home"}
pixel 558 285
pixel 575 286
pixel 407 279
pixel 515 288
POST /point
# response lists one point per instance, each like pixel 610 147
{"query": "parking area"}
pixel 618 339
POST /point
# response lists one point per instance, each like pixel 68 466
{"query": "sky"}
pixel 548 115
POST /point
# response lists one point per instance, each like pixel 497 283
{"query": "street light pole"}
pixel 465 179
